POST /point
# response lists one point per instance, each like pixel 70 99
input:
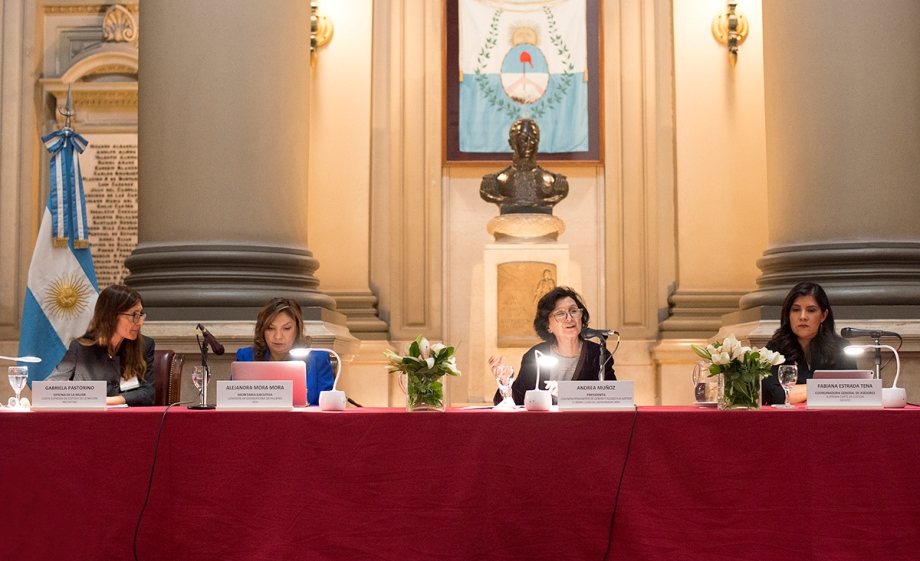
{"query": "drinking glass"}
pixel 198 374
pixel 788 375
pixel 504 376
pixel 18 376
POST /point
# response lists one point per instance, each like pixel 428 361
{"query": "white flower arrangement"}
pixel 742 369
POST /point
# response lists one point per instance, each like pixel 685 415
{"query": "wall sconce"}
pixel 320 31
pixel 730 28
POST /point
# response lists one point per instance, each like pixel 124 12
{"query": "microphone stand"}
pixel 878 358
pixel 601 358
pixel 206 377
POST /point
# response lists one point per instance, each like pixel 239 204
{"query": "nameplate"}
pixel 264 394
pixel 595 395
pixel 68 395
pixel 844 394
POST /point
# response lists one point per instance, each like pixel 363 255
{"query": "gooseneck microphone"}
pixel 216 347
pixel 849 332
pixel 589 333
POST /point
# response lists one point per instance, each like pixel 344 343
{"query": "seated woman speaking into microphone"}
pixel 113 350
pixel 279 328
pixel 561 316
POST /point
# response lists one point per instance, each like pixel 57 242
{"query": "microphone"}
pixel 216 347
pixel 589 333
pixel 850 332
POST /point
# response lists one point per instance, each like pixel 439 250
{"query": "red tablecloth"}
pixel 386 484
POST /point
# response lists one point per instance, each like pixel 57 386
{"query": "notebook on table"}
pixel 294 370
pixel 844 374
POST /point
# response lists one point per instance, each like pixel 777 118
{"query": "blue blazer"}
pixel 319 371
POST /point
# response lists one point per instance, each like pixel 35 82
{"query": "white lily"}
pixel 721 358
pixel 424 349
pixel 730 343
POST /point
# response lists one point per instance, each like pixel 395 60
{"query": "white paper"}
pixel 252 394
pixel 68 395
pixel 596 395
pixel 844 394
pixel 129 384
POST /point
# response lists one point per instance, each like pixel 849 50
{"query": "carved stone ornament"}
pixel 118 25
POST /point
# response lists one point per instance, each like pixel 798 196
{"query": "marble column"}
pixel 223 149
pixel 842 107
pixel 842 95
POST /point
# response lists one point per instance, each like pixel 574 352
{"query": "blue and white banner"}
pixel 523 58
pixel 62 289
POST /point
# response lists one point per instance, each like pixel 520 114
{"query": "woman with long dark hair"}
pixel 807 338
pixel 561 316
pixel 113 350
pixel 279 328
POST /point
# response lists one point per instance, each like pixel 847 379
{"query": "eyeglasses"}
pixel 136 317
pixel 561 315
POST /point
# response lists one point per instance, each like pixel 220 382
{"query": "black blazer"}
pixel 83 363
pixel 586 369
pixel 771 391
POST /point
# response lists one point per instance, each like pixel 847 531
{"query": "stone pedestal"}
pixel 486 309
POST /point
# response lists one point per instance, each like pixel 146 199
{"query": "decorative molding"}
pixel 226 279
pixel 361 310
pixel 99 97
pixel 87 9
pixel 696 314
pixel 872 272
pixel 111 69
pixel 412 167
pixel 97 64
pixel 118 25
pixel 639 174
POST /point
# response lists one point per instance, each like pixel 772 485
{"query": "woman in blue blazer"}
pixel 279 328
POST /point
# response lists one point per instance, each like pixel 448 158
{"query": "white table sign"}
pixel 68 395
pixel 844 394
pixel 262 394
pixel 595 395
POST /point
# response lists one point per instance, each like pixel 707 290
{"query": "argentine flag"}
pixel 523 58
pixel 62 289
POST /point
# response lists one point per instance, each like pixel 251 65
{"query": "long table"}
pixel 387 484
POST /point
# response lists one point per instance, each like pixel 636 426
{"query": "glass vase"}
pixel 739 390
pixel 423 393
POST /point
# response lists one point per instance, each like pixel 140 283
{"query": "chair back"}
pixel 167 372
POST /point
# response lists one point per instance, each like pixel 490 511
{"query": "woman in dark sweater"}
pixel 807 338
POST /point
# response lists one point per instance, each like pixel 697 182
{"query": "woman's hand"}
pixel 496 362
pixel 798 393
pixel 115 400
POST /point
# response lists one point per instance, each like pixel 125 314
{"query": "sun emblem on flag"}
pixel 67 296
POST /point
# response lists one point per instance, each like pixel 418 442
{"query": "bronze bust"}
pixel 524 187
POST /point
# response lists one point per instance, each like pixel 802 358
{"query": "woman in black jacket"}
pixel 807 338
pixel 561 316
pixel 113 350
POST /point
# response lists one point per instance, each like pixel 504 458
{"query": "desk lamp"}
pixel 329 400
pixel 893 397
pixel 537 399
